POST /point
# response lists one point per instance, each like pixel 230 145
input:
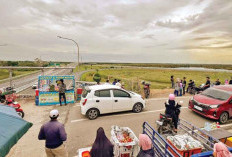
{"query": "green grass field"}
pixel 159 79
pixel 5 73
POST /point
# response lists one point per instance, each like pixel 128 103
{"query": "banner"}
pixel 52 98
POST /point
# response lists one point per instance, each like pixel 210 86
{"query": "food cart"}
pixel 48 89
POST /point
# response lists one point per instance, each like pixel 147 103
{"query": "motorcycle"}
pixel 17 107
pixel 165 124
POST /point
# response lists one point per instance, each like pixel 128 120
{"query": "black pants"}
pixel 175 120
pixel 62 95
pixel 183 90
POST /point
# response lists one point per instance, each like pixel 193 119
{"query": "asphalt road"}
pixel 82 131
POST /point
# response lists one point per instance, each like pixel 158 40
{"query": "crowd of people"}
pixel 181 87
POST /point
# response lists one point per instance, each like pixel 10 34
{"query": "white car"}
pixel 101 99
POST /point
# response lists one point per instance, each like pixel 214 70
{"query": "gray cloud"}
pixel 110 28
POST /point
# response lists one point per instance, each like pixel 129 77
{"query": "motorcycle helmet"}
pixel 171 97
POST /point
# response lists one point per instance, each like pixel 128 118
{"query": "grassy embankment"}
pixel 5 73
pixel 159 79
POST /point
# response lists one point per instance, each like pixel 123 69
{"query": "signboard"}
pixel 52 98
pixel 49 87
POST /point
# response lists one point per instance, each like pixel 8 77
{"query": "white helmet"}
pixel 54 113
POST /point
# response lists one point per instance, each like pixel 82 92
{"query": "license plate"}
pixel 159 122
pixel 198 108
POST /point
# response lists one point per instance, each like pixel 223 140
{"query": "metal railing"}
pixel 161 147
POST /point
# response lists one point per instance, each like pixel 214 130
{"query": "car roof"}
pixel 227 88
pixel 105 86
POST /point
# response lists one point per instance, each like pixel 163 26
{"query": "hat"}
pixel 171 97
pixel 54 114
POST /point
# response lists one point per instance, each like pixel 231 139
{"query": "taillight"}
pixel 84 102
pixel 161 116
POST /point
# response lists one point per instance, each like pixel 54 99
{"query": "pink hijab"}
pixel 145 142
pixel 221 150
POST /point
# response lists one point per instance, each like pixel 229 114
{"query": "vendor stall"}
pixel 48 89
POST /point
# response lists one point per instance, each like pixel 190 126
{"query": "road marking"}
pixel 167 98
pixel 129 114
pixel 78 120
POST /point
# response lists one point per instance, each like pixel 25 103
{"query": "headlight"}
pixel 214 106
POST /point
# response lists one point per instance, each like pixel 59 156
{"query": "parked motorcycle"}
pixel 17 107
pixel 165 124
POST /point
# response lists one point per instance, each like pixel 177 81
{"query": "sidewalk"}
pixel 29 145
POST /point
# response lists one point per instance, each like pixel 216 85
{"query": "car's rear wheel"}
pixel 223 117
pixel 92 113
pixel 138 107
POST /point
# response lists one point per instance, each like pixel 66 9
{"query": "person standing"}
pixel 145 144
pixel 230 83
pixel 115 81
pixel 62 89
pixel 118 83
pixel 54 134
pixel 181 88
pixel 107 82
pixel 102 147
pixel 184 85
pixel 172 81
pixel 177 88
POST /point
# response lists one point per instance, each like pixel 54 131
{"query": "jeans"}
pixel 62 95
pixel 176 92
pixel 180 92
pixel 183 90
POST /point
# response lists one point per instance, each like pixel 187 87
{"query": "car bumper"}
pixel 211 113
pixel 83 110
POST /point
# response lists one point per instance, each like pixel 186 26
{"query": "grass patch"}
pixel 159 79
pixel 5 73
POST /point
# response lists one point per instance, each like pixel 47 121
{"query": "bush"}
pixel 97 77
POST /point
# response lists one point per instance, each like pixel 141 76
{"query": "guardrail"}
pixel 161 146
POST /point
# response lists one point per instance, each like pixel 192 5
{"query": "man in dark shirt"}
pixel 230 81
pixel 54 134
pixel 184 85
pixel 217 82
pixel 207 84
pixel 62 89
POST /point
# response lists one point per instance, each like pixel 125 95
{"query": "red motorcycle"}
pixel 17 106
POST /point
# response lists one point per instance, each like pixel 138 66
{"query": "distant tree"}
pixel 97 77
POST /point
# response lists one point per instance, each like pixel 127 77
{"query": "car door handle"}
pixel 115 100
pixel 97 100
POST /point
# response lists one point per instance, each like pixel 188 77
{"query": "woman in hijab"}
pixel 102 147
pixel 145 144
pixel 220 150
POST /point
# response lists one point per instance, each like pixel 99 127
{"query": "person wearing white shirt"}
pixel 118 83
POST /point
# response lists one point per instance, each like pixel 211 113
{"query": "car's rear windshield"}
pixel 85 93
pixel 216 94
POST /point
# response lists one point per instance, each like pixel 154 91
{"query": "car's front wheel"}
pixel 138 107
pixel 92 113
pixel 223 117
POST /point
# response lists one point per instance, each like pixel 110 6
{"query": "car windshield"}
pixel 85 93
pixel 216 94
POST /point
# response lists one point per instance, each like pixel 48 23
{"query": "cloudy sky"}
pixel 154 31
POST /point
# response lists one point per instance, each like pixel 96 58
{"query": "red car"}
pixel 214 103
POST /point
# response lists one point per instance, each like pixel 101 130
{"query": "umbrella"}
pixel 12 128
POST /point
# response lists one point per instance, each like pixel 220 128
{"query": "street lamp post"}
pixel 77 49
